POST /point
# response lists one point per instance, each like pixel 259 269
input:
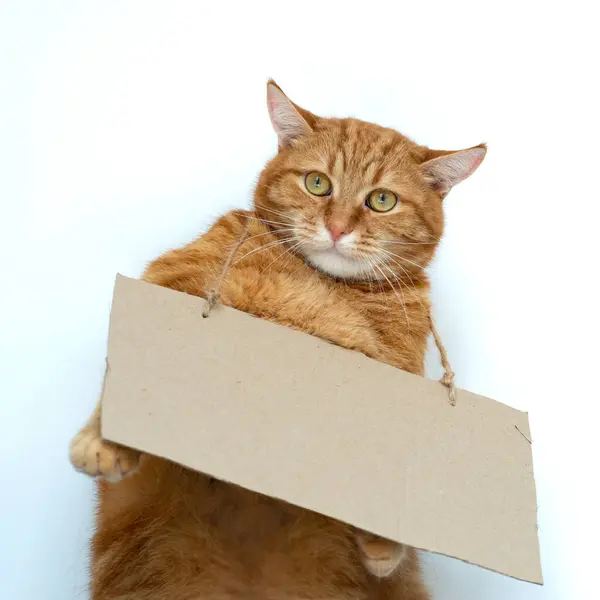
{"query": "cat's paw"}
pixel 92 455
pixel 381 557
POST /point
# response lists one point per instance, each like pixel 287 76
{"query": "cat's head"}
pixel 356 200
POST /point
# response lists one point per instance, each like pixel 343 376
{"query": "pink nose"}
pixel 337 230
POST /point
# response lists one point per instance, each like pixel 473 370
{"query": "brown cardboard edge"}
pixel 118 277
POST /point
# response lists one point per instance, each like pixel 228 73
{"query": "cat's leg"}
pixel 96 457
pixel 381 557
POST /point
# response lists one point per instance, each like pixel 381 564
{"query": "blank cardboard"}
pixel 291 416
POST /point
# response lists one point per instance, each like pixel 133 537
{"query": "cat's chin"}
pixel 337 265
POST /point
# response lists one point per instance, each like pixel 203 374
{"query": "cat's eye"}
pixel 317 183
pixel 381 200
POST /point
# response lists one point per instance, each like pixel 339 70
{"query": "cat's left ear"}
pixel 444 169
pixel 290 122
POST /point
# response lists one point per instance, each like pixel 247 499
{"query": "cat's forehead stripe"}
pixel 361 154
pixel 331 164
pixel 292 171
pixel 378 174
pixel 371 169
pixel 359 157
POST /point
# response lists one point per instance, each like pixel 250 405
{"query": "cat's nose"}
pixel 337 230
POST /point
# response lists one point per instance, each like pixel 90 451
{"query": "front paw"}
pixel 381 557
pixel 96 457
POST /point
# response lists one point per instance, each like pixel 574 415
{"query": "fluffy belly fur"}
pixel 209 540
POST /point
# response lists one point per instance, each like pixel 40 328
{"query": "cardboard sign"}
pixel 288 415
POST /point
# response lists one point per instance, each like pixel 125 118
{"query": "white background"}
pixel 126 126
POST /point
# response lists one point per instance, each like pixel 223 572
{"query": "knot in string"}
pixel 212 297
pixel 448 376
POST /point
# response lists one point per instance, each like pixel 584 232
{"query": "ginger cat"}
pixel 346 217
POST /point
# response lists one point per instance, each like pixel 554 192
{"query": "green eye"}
pixel 381 201
pixel 317 183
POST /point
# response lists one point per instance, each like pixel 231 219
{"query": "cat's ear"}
pixel 444 169
pixel 290 122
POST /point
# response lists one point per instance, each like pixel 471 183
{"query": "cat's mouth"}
pixel 338 258
pixel 328 247
pixel 335 250
pixel 338 262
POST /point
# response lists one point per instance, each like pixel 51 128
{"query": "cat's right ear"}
pixel 289 121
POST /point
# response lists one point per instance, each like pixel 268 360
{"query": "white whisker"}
pixel 371 261
pixel 265 247
pixel 277 212
pixel 266 220
pixel 401 300
pixel 412 288
pixel 288 252
pixel 418 299
pixel 401 258
pixel 270 232
pixel 388 257
pixel 408 243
